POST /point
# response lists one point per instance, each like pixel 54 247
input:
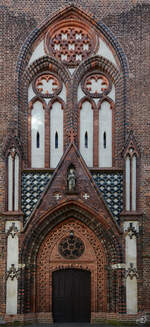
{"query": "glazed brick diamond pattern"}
pixel 33 184
pixel 111 187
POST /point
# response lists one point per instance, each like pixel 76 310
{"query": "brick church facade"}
pixel 75 161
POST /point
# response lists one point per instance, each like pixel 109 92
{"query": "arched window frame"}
pixel 60 72
pixel 131 160
pixel 15 200
pixel 96 109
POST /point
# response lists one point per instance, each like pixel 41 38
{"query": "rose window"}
pixel 71 42
pixel 71 247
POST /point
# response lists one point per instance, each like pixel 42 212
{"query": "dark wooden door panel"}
pixel 71 295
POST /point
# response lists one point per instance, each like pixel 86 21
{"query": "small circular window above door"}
pixel 71 247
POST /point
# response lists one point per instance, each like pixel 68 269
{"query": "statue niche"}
pixel 71 179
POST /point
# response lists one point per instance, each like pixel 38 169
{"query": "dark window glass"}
pixel 56 140
pixel 104 140
pixel 37 140
pixel 86 140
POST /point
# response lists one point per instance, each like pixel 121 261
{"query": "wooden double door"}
pixel 71 295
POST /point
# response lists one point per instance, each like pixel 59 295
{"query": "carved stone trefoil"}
pixel 131 272
pixel 131 231
pixel 12 272
pixel 13 230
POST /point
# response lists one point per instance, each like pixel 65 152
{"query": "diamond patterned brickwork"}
pixel 32 186
pixel 111 187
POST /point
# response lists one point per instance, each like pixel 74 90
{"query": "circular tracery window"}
pixel 47 85
pixel 70 41
pixel 71 247
pixel 96 84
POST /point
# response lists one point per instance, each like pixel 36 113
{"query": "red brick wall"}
pixel 129 21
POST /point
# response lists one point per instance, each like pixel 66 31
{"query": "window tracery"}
pixel 45 120
pixel 71 42
pixel 96 84
pixel 95 88
pixel 47 85
pixel 71 247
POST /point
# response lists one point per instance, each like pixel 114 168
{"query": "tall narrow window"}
pixel 56 140
pixel 86 132
pixel 56 133
pixel 86 140
pixel 104 140
pixel 38 135
pixel 38 140
pixel 105 135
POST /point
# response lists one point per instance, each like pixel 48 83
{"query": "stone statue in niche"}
pixel 71 179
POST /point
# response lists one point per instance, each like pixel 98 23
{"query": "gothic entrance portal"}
pixel 71 299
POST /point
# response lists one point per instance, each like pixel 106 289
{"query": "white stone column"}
pixel 131 228
pixel 12 228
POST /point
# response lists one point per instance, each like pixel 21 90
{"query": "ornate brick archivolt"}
pixel 37 232
pixel 45 64
pixel 49 260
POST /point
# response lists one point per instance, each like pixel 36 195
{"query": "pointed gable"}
pixel 85 192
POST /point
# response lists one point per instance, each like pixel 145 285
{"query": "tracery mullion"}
pixel 47 138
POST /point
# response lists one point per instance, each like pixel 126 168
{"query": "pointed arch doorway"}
pixel 63 281
pixel 71 295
